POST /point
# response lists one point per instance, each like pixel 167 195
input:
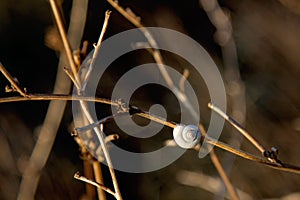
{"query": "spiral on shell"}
pixel 186 136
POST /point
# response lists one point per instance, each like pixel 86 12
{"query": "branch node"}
pixel 122 106
pixel 112 137
pixel 132 14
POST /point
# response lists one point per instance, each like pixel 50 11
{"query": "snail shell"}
pixel 186 136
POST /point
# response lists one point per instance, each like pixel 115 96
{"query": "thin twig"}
pixel 99 176
pixel 159 60
pixel 232 192
pixel 55 111
pixel 111 137
pixel 157 119
pixel 261 148
pixel 208 183
pixel 86 112
pixel 96 52
pixel 223 27
pixel 64 37
pixel 97 123
pixel 226 147
pixel 100 136
pixel 248 156
pixel 70 75
pixel 155 53
pixel 12 81
pixel 98 185
pixel 62 97
pixel 83 104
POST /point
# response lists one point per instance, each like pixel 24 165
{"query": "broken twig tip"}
pixel 77 175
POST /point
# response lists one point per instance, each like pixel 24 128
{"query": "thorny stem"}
pixel 11 80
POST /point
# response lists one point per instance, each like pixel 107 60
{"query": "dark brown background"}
pixel 267 38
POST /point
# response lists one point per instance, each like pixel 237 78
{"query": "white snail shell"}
pixel 186 136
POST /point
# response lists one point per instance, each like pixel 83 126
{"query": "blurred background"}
pixel 260 66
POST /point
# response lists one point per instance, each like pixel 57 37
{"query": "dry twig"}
pixel 226 147
pixel 55 110
pixel 98 185
pixel 130 16
pixel 13 83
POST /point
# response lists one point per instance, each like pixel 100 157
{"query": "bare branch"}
pixel 98 185
pixel 226 147
pixel 87 114
pixel 12 81
pixel 64 37
pixel 238 127
pixel 96 52
pixel 223 175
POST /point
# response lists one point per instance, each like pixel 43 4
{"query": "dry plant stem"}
pixel 11 80
pixel 231 70
pixel 84 179
pixel 90 190
pixel 238 127
pixel 64 37
pixel 208 183
pixel 98 176
pixel 100 136
pixel 156 53
pixel 96 52
pixel 99 179
pixel 283 167
pixel 55 110
pixel 159 60
pixel 156 56
pixel 223 175
pixel 69 73
pixel 100 122
pixel 157 119
pixel 248 156
pixel 47 97
pixel 83 104
pixel 231 191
